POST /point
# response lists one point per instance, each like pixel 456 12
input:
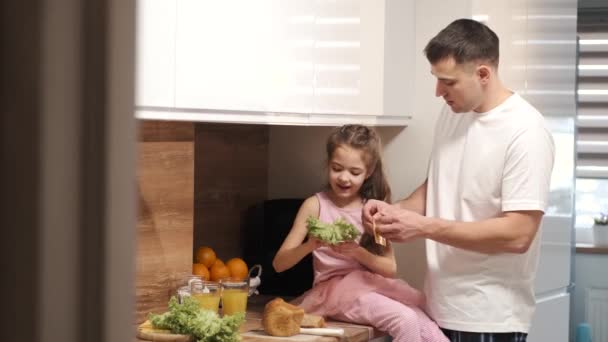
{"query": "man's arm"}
pixel 416 201
pixel 512 232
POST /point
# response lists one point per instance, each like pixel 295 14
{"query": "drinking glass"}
pixel 234 295
pixel 206 293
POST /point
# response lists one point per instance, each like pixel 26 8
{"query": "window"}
pixel 592 119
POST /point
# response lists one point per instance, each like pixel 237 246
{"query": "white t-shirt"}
pixel 483 164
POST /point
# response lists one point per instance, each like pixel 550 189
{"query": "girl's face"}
pixel 347 172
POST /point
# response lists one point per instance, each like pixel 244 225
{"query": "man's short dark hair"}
pixel 466 41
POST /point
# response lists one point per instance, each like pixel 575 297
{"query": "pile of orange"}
pixel 210 267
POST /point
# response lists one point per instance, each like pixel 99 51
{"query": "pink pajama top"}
pixel 339 280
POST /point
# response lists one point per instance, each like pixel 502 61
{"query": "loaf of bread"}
pixel 281 318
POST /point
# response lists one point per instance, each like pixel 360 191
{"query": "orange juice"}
pixel 234 300
pixel 206 293
pixel 209 301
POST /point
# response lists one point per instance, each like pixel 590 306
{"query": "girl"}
pixel 350 282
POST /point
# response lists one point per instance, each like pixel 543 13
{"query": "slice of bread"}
pixel 312 321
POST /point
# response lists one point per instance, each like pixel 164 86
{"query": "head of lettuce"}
pixel 332 233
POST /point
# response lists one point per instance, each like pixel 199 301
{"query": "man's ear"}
pixel 484 73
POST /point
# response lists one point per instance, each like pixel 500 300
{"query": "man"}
pixel 484 197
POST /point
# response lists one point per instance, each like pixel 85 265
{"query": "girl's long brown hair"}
pixel 375 186
pixel 365 139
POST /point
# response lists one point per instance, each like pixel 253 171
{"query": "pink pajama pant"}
pixel 404 323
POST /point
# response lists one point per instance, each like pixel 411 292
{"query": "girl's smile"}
pixel 347 172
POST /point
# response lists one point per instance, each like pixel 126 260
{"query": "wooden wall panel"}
pixel 231 173
pixel 165 185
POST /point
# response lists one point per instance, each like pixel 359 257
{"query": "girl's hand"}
pixel 314 243
pixel 346 248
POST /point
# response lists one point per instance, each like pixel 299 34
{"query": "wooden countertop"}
pixel 252 331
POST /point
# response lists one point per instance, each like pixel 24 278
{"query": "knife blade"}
pixel 338 332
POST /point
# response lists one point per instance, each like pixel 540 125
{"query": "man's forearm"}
pixel 512 233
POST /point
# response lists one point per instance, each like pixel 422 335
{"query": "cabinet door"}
pixel 155 65
pixel 349 57
pixel 299 56
pixel 244 55
pixel 550 322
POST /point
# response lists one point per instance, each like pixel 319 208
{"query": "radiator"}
pixel 597 313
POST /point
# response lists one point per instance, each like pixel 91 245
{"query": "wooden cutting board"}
pixel 147 332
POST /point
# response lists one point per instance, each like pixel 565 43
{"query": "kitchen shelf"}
pixel 266 118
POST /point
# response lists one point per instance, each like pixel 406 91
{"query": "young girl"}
pixel 350 282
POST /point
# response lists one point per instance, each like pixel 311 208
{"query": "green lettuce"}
pixel 332 233
pixel 204 325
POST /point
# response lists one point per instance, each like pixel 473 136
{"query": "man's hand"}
pixel 371 208
pixel 399 225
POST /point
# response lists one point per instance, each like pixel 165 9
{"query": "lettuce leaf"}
pixel 204 325
pixel 332 233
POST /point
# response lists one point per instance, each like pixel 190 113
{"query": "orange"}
pixel 200 270
pixel 238 268
pixel 218 261
pixel 205 255
pixel 219 271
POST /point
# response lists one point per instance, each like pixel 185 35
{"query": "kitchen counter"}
pixel 252 331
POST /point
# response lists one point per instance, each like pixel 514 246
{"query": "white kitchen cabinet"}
pixel 155 67
pixel 271 61
pixel 245 55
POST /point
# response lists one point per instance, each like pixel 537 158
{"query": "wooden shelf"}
pixel 586 248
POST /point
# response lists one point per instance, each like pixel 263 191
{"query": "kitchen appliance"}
pixel 265 226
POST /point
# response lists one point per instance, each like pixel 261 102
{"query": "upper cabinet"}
pixel 300 62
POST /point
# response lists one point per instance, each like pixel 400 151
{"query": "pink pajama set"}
pixel 344 289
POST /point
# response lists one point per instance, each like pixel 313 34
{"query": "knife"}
pixel 338 332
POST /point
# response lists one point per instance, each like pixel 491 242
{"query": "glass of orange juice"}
pixel 206 293
pixel 234 295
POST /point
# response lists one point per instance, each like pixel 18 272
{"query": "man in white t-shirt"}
pixel 483 200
